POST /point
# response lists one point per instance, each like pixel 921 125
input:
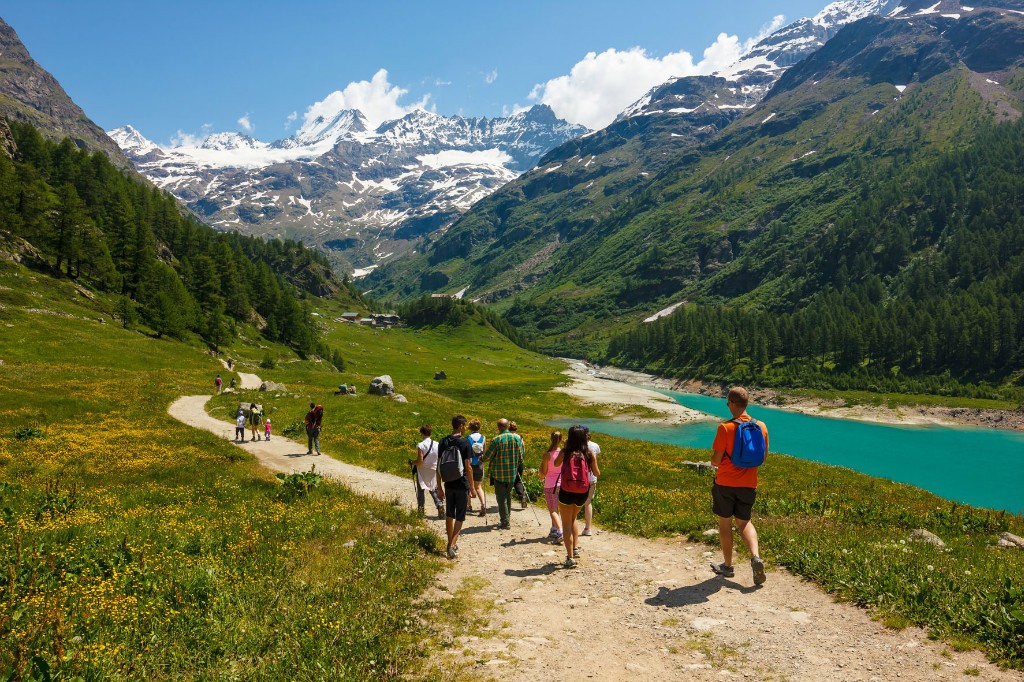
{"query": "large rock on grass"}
pixel 922 535
pixel 273 386
pixel 1009 540
pixel 382 385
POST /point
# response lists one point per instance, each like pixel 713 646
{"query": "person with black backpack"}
pixel 455 472
pixel 575 464
pixel 740 447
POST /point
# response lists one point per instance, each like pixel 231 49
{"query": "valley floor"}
pixel 612 386
pixel 635 608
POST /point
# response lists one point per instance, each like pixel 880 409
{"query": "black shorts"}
pixel 575 499
pixel 727 501
pixel 478 474
pixel 456 499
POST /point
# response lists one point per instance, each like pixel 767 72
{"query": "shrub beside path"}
pixel 636 608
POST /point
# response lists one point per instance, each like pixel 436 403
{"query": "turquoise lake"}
pixel 981 467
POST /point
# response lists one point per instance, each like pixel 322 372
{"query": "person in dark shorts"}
pixel 456 493
pixel 571 501
pixel 734 491
pixel 477 442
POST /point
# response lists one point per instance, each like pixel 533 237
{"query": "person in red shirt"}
pixel 734 490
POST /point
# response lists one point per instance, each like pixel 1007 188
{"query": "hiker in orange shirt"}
pixel 736 486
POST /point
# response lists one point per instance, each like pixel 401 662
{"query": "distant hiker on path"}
pixel 595 471
pixel 506 451
pixel 232 387
pixel 549 472
pixel 255 420
pixel 218 382
pixel 314 420
pixel 574 463
pixel 477 441
pixel 426 471
pixel 240 426
pixel 455 470
pixel 231 363
pixel 266 428
pixel 740 447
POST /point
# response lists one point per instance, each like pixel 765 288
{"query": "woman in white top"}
pixel 426 471
pixel 588 509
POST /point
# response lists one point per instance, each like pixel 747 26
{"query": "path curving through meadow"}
pixel 636 608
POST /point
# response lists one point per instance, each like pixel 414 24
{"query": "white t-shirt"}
pixel 240 421
pixel 426 473
pixel 595 450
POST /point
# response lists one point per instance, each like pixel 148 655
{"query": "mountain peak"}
pixel 130 139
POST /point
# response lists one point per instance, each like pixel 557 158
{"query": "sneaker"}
pixel 522 502
pixel 575 552
pixel 483 513
pixel 557 540
pixel 308 452
pixel 586 531
pixel 723 570
pixel 505 526
pixel 569 562
pixel 451 553
pixel 758 567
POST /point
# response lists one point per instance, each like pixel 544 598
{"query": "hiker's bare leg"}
pixel 449 525
pixel 455 534
pixel 749 535
pixel 588 515
pixel 725 538
pixel 568 512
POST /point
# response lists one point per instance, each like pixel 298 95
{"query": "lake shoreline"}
pixel 591 383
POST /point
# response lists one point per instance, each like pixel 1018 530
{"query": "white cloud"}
pixel 377 99
pixel 292 117
pixel 246 124
pixel 491 76
pixel 440 83
pixel 512 110
pixel 601 85
pixel 183 139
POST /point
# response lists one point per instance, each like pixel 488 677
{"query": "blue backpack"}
pixel 749 448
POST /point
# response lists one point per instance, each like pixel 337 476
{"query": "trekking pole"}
pixel 530 503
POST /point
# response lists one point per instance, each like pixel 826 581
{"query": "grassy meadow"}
pixel 139 547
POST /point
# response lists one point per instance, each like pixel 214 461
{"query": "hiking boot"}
pixel 483 513
pixel 451 553
pixel 757 566
pixel 575 552
pixel 522 502
pixel 569 562
pixel 557 540
pixel 723 570
pixel 440 512
pixel 308 452
pixel 505 526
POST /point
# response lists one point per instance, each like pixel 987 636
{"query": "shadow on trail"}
pixel 546 569
pixel 531 541
pixel 695 594
pixel 473 530
pixel 300 454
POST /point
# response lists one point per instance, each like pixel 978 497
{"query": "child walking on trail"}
pixel 426 471
pixel 476 441
pixel 550 473
pixel 266 428
pixel 240 426
pixel 735 488
pixel 218 382
pixel 574 462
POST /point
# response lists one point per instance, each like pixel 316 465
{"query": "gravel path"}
pixel 640 609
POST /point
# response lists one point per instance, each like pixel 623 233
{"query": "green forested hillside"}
pixel 879 167
pixel 83 219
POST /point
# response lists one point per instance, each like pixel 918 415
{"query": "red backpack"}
pixel 575 475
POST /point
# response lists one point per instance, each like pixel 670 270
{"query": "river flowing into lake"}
pixel 977 466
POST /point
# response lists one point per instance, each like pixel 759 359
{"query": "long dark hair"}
pixel 576 443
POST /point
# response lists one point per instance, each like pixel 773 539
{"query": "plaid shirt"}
pixel 507 452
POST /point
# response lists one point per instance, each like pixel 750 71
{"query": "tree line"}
pixel 96 224
pixel 920 286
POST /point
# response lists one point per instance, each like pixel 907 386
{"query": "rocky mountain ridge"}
pixel 31 94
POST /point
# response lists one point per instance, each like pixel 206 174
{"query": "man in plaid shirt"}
pixel 506 450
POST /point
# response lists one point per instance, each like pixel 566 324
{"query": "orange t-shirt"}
pixel 728 474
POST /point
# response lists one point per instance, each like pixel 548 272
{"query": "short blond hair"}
pixel 739 396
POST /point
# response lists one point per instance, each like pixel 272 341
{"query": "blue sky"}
pixel 178 69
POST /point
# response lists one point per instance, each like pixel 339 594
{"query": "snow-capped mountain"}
pixel 366 194
pixel 750 78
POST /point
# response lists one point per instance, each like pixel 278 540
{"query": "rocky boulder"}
pixel 382 385
pixel 922 535
pixel 399 398
pixel 440 375
pixel 273 386
pixel 1010 540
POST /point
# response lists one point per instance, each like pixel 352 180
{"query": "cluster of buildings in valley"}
pixel 378 320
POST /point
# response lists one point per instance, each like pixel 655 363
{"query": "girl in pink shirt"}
pixel 266 428
pixel 550 474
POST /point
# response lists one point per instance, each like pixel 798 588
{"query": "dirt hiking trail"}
pixel 637 609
